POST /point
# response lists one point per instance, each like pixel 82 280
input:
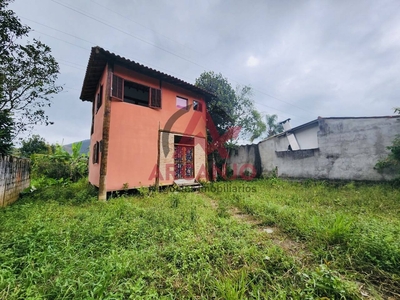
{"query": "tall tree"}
pixel 28 73
pixel 273 127
pixel 6 133
pixel 231 108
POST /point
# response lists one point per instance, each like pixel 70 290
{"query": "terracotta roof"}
pixel 98 60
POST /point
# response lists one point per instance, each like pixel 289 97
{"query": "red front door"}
pixel 183 161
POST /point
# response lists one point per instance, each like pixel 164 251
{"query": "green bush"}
pixel 61 190
pixel 61 164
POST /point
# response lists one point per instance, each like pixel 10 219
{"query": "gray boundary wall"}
pixel 14 178
pixel 348 149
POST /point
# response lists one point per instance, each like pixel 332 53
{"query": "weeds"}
pixel 58 243
pixel 353 226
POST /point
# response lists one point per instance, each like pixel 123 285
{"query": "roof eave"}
pixel 99 58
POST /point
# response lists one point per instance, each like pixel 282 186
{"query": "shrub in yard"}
pixel 61 164
pixel 44 165
pixel 62 191
pixel 392 161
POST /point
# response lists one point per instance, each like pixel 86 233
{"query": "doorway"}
pixel 183 157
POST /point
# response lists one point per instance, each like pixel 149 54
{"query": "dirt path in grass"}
pixel 295 249
pixel 273 233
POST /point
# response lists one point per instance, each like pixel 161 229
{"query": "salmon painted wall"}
pixel 133 143
pixel 97 135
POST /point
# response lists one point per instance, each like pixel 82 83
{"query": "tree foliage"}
pixel 230 107
pixel 34 145
pixel 28 74
pixel 6 133
pixel 392 160
pixel 273 127
pixel 61 164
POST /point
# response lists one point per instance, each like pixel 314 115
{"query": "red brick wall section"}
pixel 14 178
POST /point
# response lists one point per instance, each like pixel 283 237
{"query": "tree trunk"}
pixel 106 136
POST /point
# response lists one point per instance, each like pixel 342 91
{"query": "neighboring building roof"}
pixel 98 60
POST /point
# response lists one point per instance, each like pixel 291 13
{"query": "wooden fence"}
pixel 14 178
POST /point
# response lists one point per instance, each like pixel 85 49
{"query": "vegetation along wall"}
pixel 14 177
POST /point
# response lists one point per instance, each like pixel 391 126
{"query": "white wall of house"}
pixel 308 137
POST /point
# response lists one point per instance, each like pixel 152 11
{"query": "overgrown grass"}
pixel 59 243
pixel 353 228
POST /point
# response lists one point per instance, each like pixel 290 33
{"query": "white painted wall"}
pixel 307 137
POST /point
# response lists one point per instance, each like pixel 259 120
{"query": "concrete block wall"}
pixel 14 178
pixel 245 158
pixel 348 149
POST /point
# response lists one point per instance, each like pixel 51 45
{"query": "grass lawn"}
pixel 265 239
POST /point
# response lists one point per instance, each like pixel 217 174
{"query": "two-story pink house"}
pixel 148 128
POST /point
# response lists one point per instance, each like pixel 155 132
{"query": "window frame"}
pixel 99 98
pixel 117 92
pixel 199 106
pixel 182 98
pixel 96 153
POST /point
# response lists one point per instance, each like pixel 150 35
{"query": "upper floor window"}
pixel 99 99
pixel 135 93
pixel 197 105
pixel 181 102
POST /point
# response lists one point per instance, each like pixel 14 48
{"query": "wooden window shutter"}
pixel 117 86
pixel 97 102
pixel 100 98
pixel 94 154
pixel 97 151
pixel 155 98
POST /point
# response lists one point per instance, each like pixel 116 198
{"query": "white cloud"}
pixel 252 61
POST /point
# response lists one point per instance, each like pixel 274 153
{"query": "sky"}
pixel 303 59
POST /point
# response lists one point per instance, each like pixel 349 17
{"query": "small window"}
pixel 99 100
pixel 93 113
pixel 95 154
pixel 117 85
pixel 181 103
pixel 197 106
